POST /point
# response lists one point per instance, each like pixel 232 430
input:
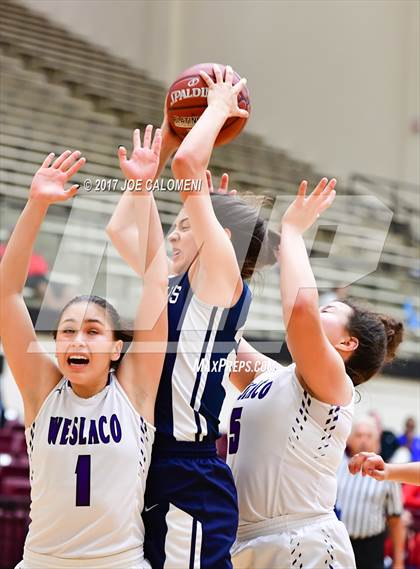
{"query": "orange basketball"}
pixel 187 100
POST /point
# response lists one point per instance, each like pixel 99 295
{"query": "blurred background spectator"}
pixel 367 507
pixel 409 439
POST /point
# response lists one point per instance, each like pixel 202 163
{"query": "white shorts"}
pixel 132 559
pixel 321 542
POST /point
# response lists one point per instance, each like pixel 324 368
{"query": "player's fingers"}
pixel 207 79
pixel 157 142
pixel 76 167
pixel 61 159
pixel 378 474
pixel 228 75
pixel 209 181
pixel 122 153
pixel 240 85
pixel 242 113
pixel 48 160
pixel 373 462
pixel 218 73
pixel 302 189
pixel 136 139
pixel 147 136
pixel 354 464
pixel 224 183
pixel 233 192
pixel 329 187
pixel 70 160
pixel 327 202
pixel 320 187
pixel 71 192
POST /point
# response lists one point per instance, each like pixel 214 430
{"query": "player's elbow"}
pixel 186 165
pixel 111 230
pixel 305 305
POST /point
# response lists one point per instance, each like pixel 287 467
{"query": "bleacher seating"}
pixel 57 91
pixel 14 493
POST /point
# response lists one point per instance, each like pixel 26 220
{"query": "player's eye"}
pixel 93 331
pixel 68 331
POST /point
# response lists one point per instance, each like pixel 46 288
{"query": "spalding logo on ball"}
pixel 187 100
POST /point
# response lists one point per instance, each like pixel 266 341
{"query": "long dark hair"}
pixel 255 245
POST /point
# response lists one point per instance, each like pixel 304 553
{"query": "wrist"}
pixel 38 204
pixel 219 109
pixel 291 228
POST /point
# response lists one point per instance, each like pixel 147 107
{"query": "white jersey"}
pixel 285 448
pixel 88 465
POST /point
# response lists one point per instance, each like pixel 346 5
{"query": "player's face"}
pixel 181 240
pixel 335 317
pixel 85 343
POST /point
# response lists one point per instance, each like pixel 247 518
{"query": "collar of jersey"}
pixel 94 398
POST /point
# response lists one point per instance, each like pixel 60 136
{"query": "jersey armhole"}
pixel 121 389
pixel 59 385
pixel 245 291
pixel 349 405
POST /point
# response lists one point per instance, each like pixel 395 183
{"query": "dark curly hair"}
pixel 379 336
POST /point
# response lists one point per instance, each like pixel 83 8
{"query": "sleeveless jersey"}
pixel 285 448
pixel 202 344
pixel 88 465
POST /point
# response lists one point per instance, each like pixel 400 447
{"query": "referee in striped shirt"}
pixel 366 506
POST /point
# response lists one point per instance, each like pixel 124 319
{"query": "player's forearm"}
pixel 193 156
pixel 15 263
pixel 397 531
pixel 167 150
pixel 151 245
pixel 297 281
pixel 405 473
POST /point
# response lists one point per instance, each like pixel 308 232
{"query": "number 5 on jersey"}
pixel 235 429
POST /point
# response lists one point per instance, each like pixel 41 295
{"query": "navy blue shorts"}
pixel 190 513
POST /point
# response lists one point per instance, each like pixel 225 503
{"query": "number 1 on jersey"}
pixel 83 480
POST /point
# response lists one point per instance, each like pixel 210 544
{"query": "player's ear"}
pixel 118 346
pixel 348 344
pixel 228 232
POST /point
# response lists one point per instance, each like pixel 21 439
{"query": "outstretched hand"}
pixel 144 161
pixel 48 183
pixel 304 211
pixel 223 93
pixel 224 184
pixel 369 464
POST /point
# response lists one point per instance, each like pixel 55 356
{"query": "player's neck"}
pixel 93 388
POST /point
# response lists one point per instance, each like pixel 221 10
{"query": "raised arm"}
pixel 317 361
pixel 216 286
pixel 34 371
pixel 141 367
pixel 122 228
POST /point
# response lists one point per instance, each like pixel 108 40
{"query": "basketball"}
pixel 187 100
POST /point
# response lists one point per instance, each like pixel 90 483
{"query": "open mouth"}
pixel 175 253
pixel 77 362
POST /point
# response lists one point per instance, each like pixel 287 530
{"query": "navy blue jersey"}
pixel 202 345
